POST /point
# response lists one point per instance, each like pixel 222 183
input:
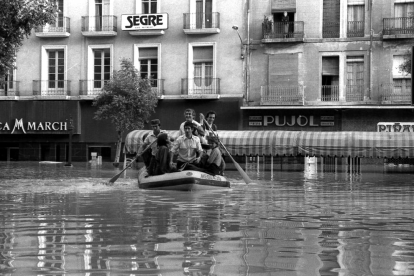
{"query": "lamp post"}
pixel 70 128
pixel 236 28
pixel 246 63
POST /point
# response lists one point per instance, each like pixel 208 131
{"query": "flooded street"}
pixel 66 221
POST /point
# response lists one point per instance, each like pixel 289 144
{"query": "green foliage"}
pixel 405 67
pixel 17 19
pixel 127 100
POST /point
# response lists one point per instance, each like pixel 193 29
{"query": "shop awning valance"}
pixel 306 143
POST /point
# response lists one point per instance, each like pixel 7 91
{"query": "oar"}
pixel 246 178
pixel 115 178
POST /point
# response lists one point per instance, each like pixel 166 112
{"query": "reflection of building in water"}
pixel 51 253
pixel 6 247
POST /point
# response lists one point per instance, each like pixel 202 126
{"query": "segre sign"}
pixel 155 21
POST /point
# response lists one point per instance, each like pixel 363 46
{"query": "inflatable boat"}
pixel 181 181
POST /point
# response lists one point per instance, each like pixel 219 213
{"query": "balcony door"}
pixel 102 19
pixel 404 13
pixel 148 66
pixel 331 18
pixel 101 68
pixel 203 70
pixel 8 85
pixel 330 79
pixel 283 26
pixel 356 20
pixel 355 79
pixel 149 6
pixel 56 72
pixel 204 13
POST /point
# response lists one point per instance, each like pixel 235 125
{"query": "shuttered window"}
pixel 283 70
pixel 203 54
pixel 331 18
pixel 330 66
pixel 283 5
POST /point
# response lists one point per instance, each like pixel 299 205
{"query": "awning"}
pixel 305 143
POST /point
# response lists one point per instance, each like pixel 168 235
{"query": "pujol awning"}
pixel 306 143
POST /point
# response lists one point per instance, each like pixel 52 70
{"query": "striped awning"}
pixel 306 143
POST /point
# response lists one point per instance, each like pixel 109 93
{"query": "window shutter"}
pixel 203 54
pixel 283 70
pixel 283 5
pixel 147 53
pixel 330 66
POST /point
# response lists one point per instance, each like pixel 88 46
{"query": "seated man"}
pixel 214 162
pixel 188 148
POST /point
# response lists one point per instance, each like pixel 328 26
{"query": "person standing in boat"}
pixel 149 155
pixel 198 129
pixel 188 148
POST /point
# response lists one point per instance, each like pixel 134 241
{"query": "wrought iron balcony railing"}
pixel 281 95
pixel 51 87
pixel 62 25
pixel 104 23
pixel 201 20
pixel 393 93
pixel 330 29
pixel 157 86
pixel 356 28
pixel 398 25
pixel 354 93
pixel 91 87
pixel 330 93
pixel 200 86
pixel 283 29
pixel 9 88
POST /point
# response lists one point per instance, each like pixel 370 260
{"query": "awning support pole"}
pixel 271 167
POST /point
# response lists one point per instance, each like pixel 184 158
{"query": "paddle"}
pixel 115 178
pixel 246 178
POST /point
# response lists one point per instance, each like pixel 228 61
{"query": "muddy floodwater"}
pixel 67 221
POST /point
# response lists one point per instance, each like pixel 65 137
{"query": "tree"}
pixel 17 19
pixel 405 67
pixel 126 100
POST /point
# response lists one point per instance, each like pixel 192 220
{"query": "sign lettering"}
pixel 301 120
pixel 20 125
pixel 395 127
pixel 131 22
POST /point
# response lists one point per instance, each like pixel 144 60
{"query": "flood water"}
pixel 66 221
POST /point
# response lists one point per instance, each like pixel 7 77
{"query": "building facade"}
pixel 187 49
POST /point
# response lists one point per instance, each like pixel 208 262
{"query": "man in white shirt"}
pixel 188 148
pixel 198 129
pixel 149 155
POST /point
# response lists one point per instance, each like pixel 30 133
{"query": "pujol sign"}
pixel 155 21
pixel 301 120
pixel 19 125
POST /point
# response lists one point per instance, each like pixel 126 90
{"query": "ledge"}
pixel 281 40
pixel 329 107
pixel 398 36
pixel 202 31
pixel 146 32
pixel 52 34
pixel 97 34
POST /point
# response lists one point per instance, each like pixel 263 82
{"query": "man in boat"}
pixel 149 155
pixel 210 117
pixel 163 157
pixel 188 148
pixel 198 130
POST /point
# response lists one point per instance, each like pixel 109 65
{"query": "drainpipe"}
pixel 371 34
pixel 248 55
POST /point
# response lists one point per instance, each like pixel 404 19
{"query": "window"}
pixel 401 80
pixel 356 20
pixel 202 70
pixel 355 78
pixel 56 69
pixel 404 10
pixel 102 19
pixel 101 67
pixel 9 86
pixel 147 61
pixel 283 26
pixel 330 78
pixel 149 6
pixel 331 17
pixel 204 13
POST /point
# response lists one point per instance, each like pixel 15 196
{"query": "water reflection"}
pixel 298 224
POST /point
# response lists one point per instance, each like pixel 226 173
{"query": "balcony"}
pixel 200 88
pixel 355 29
pixel 157 87
pixel 51 88
pixel 399 27
pixel 330 29
pixel 281 95
pixel 201 23
pixel 330 93
pixel 354 93
pixel 91 88
pixel 9 89
pixel 282 31
pixel 393 94
pixel 105 25
pixel 61 28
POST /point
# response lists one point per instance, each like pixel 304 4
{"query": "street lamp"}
pixel 236 28
pixel 70 128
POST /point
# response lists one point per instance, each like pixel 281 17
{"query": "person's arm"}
pixel 199 128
